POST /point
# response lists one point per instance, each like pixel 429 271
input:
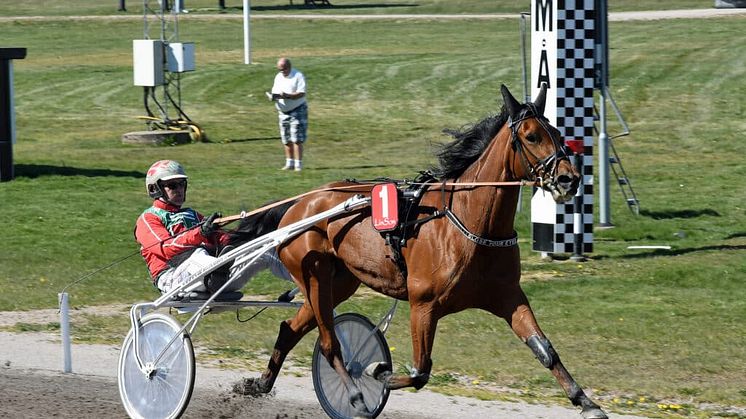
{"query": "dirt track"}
pixel 36 394
pixel 32 385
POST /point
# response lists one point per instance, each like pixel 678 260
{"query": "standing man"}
pixel 289 95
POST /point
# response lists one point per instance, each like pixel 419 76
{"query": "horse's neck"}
pixel 491 209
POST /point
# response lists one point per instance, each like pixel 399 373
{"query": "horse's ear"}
pixel 511 104
pixel 541 99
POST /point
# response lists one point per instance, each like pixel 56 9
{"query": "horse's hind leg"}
pixel 319 272
pixel 423 321
pixel 291 332
pixel 517 312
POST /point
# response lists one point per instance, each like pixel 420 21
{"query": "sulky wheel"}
pixel 164 389
pixel 358 338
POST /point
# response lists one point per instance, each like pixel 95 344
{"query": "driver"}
pixel 175 245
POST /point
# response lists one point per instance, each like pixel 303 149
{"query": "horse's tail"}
pixel 259 224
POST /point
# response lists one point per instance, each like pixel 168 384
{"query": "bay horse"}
pixel 447 268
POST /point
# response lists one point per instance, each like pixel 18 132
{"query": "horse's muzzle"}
pixel 563 187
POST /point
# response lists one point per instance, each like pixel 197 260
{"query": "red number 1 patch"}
pixel 385 207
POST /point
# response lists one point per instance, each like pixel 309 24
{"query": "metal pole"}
pixel 122 7
pixel 604 201
pixel 246 32
pixel 526 93
pixel 65 330
pixel 522 26
pixel 221 4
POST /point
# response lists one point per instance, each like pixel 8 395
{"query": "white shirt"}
pixel 293 83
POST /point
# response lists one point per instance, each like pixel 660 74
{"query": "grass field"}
pixel 657 332
pixel 93 7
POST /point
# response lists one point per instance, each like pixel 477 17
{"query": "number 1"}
pixel 384 195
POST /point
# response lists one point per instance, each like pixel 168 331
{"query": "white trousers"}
pixel 180 275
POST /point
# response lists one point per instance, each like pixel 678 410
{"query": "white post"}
pixel 246 32
pixel 65 330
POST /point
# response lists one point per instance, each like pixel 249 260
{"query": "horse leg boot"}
pixel 547 356
pixel 523 322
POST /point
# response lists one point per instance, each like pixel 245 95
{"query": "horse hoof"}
pixel 249 387
pixel 361 411
pixel 593 413
pixel 380 371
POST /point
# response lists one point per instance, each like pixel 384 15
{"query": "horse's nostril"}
pixel 568 183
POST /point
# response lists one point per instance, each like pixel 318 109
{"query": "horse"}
pixel 444 268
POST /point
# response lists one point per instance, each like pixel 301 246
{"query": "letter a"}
pixel 543 71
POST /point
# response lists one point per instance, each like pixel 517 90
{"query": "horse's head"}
pixel 539 152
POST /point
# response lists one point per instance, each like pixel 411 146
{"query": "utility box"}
pixel 148 62
pixel 180 57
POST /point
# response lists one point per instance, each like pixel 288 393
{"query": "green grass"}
pixel 664 325
pixel 134 7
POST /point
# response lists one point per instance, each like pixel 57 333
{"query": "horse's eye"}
pixel 533 138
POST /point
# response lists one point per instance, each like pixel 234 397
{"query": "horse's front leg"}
pixel 521 318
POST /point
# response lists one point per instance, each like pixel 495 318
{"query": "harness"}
pixel 410 197
pixel 409 209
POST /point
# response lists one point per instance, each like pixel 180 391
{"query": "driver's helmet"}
pixel 162 170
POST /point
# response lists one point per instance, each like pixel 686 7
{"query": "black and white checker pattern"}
pixel 575 97
pixel 575 42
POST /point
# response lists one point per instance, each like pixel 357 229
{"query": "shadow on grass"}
pixel 32 171
pixel 362 166
pixel 246 140
pixel 660 215
pixel 684 251
pixel 736 235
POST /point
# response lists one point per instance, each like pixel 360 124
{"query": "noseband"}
pixel 542 167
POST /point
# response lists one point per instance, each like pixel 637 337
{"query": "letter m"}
pixel 543 8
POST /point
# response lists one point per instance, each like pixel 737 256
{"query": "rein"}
pixel 244 214
pixel 547 166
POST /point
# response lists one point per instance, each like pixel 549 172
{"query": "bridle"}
pixel 541 167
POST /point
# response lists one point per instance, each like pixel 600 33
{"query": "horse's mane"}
pixel 470 142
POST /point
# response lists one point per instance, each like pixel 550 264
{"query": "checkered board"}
pixel 574 92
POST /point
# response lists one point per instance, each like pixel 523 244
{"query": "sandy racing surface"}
pixel 32 385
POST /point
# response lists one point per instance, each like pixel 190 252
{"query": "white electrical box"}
pixel 180 57
pixel 148 62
